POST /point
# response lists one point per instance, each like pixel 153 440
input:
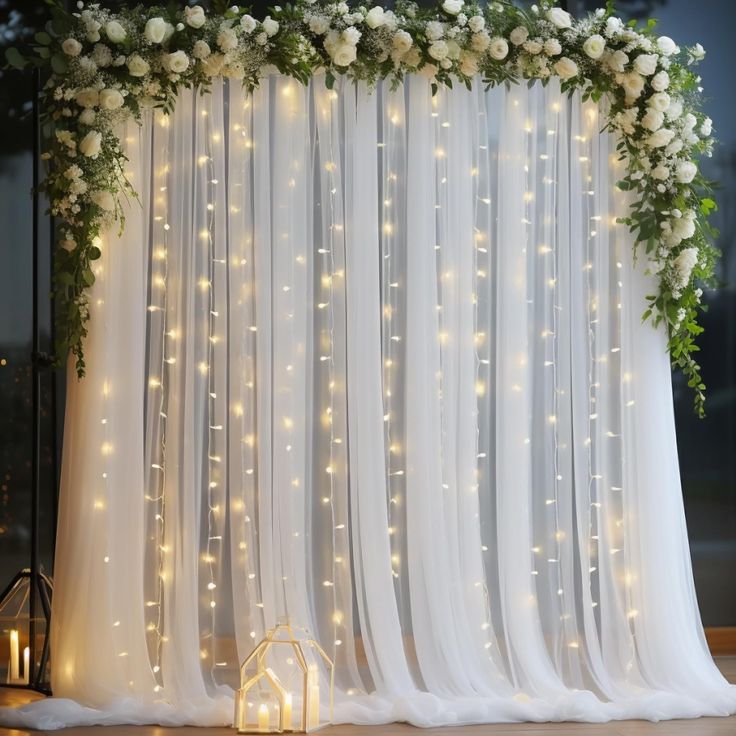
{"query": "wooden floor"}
pixel 698 727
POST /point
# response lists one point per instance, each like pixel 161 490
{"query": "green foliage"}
pixel 498 43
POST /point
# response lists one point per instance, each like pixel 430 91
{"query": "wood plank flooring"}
pixel 697 727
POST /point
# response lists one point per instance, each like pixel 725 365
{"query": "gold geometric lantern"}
pixel 280 684
pixel 23 638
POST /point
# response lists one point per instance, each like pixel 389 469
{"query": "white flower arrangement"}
pixel 103 67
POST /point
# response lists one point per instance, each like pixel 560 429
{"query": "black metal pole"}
pixel 36 379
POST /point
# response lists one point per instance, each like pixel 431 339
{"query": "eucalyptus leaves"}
pixel 103 67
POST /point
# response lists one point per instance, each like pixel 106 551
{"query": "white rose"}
pixel 177 62
pixel 684 265
pixel 402 41
pixel 137 66
pixel 345 54
pixel 390 21
pixel 318 24
pixel 594 46
pixel 477 23
pixel 660 138
pixel 652 120
pixel 659 101
pixel 87 97
pixel 87 116
pixel 633 84
pixel 697 52
pixel 660 81
pixel 518 35
pixel 626 120
pixel 374 17
pixel 227 40
pixel 111 99
pixel 480 42
pixel 617 61
pixel 566 68
pixel 248 23
pixel 438 50
pixel 91 143
pixel 270 26
pixel 613 26
pixel 201 50
pixel 646 64
pixel 351 35
pixel 155 30
pixel 533 47
pixel 71 47
pixel 213 64
pixel 103 199
pixel 706 128
pixel 169 32
pixel 452 7
pixel 667 46
pixel 412 57
pixel 552 47
pixel 559 17
pixel 453 49
pixel 674 110
pixel 683 228
pixel 434 30
pixel 685 172
pixel 674 148
pixel 468 64
pixel 115 32
pixel 661 173
pixel 498 49
pixel 331 41
pixel 195 16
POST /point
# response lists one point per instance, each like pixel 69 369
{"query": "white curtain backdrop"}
pixel 374 360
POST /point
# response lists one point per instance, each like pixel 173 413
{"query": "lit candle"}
pixel 287 712
pixel 26 665
pixel 264 720
pixel 313 702
pixel 13 673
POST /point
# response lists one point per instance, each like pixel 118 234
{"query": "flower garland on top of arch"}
pixel 104 67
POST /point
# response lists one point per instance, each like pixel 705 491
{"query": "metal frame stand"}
pixel 44 591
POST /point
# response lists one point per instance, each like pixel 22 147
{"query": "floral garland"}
pixel 104 67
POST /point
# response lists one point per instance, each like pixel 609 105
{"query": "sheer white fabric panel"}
pixel 374 360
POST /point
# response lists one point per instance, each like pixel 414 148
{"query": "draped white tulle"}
pixel 375 360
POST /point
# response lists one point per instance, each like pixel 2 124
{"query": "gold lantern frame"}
pixel 283 634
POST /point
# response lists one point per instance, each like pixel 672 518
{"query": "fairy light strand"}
pixel 329 99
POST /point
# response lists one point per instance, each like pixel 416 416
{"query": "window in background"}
pixel 15 314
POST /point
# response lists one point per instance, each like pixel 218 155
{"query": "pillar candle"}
pixel 26 665
pixel 14 673
pixel 287 712
pixel 313 702
pixel 264 720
